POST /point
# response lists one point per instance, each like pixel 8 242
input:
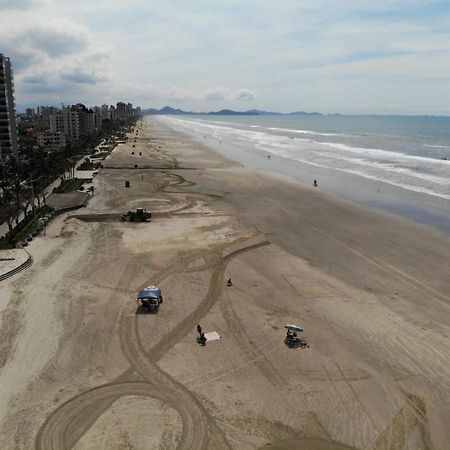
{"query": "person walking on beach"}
pixel 229 283
pixel 315 183
pixel 199 329
pixel 202 339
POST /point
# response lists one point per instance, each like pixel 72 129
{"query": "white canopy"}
pixel 293 327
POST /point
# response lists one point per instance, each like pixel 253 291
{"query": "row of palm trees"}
pixel 23 180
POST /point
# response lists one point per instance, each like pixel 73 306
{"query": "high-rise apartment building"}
pixel 121 111
pixel 105 113
pixel 75 122
pixel 67 122
pixel 30 113
pixel 8 131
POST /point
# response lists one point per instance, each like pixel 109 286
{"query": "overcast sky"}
pixel 348 56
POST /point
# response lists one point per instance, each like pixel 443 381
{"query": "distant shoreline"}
pixel 416 207
pixel 168 110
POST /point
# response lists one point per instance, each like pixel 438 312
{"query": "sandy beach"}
pixel 82 367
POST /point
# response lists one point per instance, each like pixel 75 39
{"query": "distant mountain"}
pixel 257 112
pixel 229 112
pixel 303 113
pixel 167 110
pixel 250 112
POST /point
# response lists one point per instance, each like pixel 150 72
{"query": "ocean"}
pixel 400 164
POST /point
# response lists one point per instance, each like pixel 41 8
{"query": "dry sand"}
pixel 85 369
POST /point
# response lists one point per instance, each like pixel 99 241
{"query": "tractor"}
pixel 140 215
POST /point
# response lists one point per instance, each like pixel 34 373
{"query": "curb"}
pixel 28 263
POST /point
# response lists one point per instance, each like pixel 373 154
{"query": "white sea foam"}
pixel 413 172
pixel 443 147
pixel 290 130
pixel 377 153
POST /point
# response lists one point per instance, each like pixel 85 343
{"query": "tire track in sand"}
pixel 66 425
pixel 237 330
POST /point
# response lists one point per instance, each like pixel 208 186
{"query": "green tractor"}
pixel 140 215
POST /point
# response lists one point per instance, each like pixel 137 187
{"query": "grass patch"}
pixel 101 155
pixel 32 223
pixel 88 166
pixel 69 186
pixel 25 228
pixel 108 147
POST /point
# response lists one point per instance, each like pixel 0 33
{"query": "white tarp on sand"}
pixel 213 336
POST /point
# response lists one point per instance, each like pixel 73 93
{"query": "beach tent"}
pixel 149 293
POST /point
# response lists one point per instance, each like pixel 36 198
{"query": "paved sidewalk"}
pixel 68 200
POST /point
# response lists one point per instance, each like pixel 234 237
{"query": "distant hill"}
pixel 229 112
pixel 303 113
pixel 167 110
pixel 257 112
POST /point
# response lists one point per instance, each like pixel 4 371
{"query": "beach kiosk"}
pixel 150 298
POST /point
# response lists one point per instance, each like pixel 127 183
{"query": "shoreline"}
pixel 370 290
pixel 418 207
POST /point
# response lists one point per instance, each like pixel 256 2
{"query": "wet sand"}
pixel 85 368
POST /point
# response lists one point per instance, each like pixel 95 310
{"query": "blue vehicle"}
pixel 150 298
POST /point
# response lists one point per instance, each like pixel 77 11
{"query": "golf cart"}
pixel 150 298
pixel 292 340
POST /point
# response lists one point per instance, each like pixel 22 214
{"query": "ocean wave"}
pixel 415 188
pixel 389 167
pixel 318 133
pixel 378 153
pixel 412 172
pixel 442 147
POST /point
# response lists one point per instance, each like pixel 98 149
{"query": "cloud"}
pixel 51 54
pixel 19 4
pixel 31 32
pixel 314 54
pixel 216 94
pixel 226 94
pixel 82 77
pixel 244 94
pixel 149 92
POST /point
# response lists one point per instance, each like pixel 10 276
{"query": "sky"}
pixel 348 56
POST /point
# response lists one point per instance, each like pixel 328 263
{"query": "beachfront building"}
pixel 47 111
pixel 51 141
pixel 112 113
pixel 8 131
pixel 129 110
pixel 75 122
pixel 66 122
pixel 105 113
pixel 124 111
pixel 121 111
pixel 30 113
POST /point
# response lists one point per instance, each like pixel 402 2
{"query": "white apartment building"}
pixel 75 122
pixel 51 141
pixel 66 122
